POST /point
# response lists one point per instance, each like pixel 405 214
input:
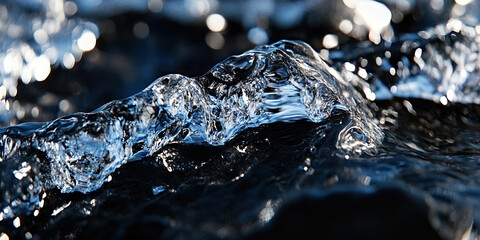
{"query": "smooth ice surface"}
pixel 285 81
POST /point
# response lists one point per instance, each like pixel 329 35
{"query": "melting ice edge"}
pixel 285 81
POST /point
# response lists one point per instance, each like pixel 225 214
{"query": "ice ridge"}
pixel 285 81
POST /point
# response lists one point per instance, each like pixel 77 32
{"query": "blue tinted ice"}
pixel 286 81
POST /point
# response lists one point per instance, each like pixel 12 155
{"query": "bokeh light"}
pixel 216 22
pixel 87 40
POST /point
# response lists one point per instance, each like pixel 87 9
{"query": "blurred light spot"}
pixel 41 67
pixel 397 16
pixel 198 8
pixel 362 73
pixel 64 105
pixel 378 61
pixel 68 60
pixel 257 36
pixel 324 54
pixel 216 22
pixel 70 8
pixel 418 53
pixel 26 75
pixel 458 10
pixel 16 222
pixel 455 25
pixel 215 40
pixel 392 71
pixel 3 12
pixel 330 41
pixel 87 41
pixel 363 62
pixel 4 236
pixel 451 94
pixel 40 36
pixel 20 113
pixel 437 5
pixel 28 235
pixel 155 6
pixel 47 99
pixel 3 92
pixel 374 37
pixel 35 112
pixel 349 67
pixel 52 54
pixel 8 63
pixel 463 2
pixel 443 100
pixel 369 94
pixel 350 3
pixel 374 15
pixel 36 212
pixel 141 30
pixel 388 54
pixel 27 53
pixel 12 91
pixel 345 26
pixel 14 31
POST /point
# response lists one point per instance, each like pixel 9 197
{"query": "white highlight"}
pixel 16 222
pixel 87 41
pixel 41 67
pixel 330 41
pixel 374 15
pixel 463 2
pixel 68 60
pixel 216 22
pixel 345 26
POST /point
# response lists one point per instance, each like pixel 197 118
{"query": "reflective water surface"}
pixel 367 129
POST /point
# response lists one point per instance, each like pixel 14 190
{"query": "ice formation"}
pixel 286 81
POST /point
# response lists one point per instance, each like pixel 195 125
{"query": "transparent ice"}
pixel 286 81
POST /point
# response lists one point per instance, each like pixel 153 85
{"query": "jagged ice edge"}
pixel 285 81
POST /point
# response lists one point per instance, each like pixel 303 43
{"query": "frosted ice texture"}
pixel 285 81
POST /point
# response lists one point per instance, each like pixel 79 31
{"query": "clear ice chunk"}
pixel 285 81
